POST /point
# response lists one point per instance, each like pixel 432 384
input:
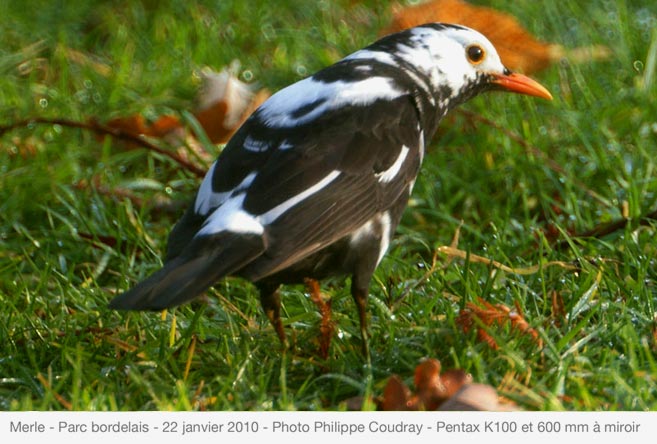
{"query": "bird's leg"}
pixel 360 293
pixel 327 326
pixel 270 299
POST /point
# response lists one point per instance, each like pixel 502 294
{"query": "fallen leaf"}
pixel 489 314
pixel 453 379
pixel 434 390
pixel 396 395
pixel 135 124
pixel 224 104
pixel 163 125
pixel 428 384
pixel 518 49
pixel 477 397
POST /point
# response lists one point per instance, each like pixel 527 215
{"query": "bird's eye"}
pixel 475 54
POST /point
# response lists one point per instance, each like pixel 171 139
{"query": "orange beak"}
pixel 521 84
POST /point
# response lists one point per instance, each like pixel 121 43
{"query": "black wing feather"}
pixel 185 277
pixel 352 198
pixel 360 142
pixel 319 221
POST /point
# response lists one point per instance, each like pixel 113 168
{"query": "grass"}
pixel 61 347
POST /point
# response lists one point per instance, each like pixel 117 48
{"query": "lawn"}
pixel 563 193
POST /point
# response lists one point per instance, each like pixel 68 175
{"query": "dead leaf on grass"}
pixel 484 314
pixel 518 49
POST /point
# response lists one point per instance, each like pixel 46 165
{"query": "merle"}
pixel 314 183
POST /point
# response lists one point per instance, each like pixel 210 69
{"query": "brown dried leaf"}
pixel 428 384
pixel 476 397
pixel 162 126
pixel 453 379
pixel 488 314
pixel 224 104
pixel 396 395
pixel 519 322
pixel 433 389
pixel 518 49
pixel 135 125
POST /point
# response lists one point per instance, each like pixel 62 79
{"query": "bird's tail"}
pixel 185 277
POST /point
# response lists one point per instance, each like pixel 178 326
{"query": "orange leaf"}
pixel 135 125
pixel 489 314
pixel 396 395
pixel 429 386
pixel 163 126
pixel 477 397
pixel 518 49
pixel 453 379
pixel 225 103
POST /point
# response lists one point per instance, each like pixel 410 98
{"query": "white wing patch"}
pixel 205 193
pixel 378 226
pixel 276 212
pixel 285 145
pixel 421 144
pixel 386 234
pixel 279 110
pixel 363 232
pixel 255 145
pixel 389 174
pixel 206 199
pixel 368 54
pixel 231 217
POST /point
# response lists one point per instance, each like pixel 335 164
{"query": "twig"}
pixel 461 254
pixel 99 128
pixel 608 228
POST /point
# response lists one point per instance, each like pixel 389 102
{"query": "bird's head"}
pixel 461 63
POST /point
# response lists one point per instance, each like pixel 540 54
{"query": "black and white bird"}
pixel 315 181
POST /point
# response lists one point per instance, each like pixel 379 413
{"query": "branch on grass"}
pixel 603 230
pixel 105 130
pixel 461 254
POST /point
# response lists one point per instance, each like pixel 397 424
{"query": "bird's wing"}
pixel 332 178
pixel 278 194
pixel 189 274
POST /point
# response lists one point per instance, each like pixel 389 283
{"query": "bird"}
pixel 315 181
